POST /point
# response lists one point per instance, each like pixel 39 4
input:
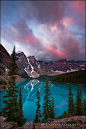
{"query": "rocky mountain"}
pixel 4 56
pixel 30 67
pixel 5 60
pixel 33 68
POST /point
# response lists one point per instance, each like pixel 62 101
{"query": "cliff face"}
pixel 4 56
pixel 4 60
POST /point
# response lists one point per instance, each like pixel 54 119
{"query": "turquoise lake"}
pixel 29 90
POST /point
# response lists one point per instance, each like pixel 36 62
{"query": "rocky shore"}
pixel 75 122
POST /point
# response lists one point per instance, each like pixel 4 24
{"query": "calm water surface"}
pixel 29 90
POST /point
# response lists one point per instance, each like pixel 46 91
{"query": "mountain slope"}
pixel 33 68
pixel 29 67
pixel 5 60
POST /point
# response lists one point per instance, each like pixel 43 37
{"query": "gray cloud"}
pixel 44 12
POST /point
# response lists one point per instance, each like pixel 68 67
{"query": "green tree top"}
pixel 38 112
pixel 13 66
pixel 47 102
pixel 79 104
pixel 70 101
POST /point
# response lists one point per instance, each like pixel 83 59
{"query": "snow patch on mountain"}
pixel 39 66
pixel 26 70
pixel 30 65
pixel 6 70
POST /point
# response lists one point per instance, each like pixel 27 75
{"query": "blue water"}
pixel 29 90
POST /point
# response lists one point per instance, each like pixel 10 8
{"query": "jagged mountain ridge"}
pixel 36 68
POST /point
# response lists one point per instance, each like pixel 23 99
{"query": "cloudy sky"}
pixel 48 30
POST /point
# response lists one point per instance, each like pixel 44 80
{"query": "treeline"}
pixel 45 76
pixel 77 107
pixel 25 75
pixel 78 77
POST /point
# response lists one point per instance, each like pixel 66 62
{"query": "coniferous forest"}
pixel 78 77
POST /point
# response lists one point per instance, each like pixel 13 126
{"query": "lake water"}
pixel 29 90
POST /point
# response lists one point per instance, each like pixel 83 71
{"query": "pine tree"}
pixel 70 101
pixel 78 104
pixel 11 105
pixel 47 102
pixel 12 109
pixel 65 114
pixel 84 107
pixel 20 99
pixel 52 111
pixel 38 112
pixel 21 120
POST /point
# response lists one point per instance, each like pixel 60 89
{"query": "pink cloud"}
pixel 67 21
pixel 29 39
pixel 61 104
pixel 78 6
pixel 57 106
pixel 78 12
pixel 55 51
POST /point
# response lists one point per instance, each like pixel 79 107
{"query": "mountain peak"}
pixel 32 58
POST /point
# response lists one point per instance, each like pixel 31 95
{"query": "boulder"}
pixel 62 121
pixel 48 120
pixel 82 127
pixel 29 125
pixel 5 125
pixel 3 119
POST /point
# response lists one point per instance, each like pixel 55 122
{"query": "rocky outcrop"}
pixel 75 122
pixel 5 57
pixel 21 61
pixel 4 124
pixel 29 125
pixel 48 120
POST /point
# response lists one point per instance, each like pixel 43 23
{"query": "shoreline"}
pixel 19 82
pixel 69 83
pixel 7 86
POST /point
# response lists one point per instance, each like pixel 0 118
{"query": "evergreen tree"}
pixel 70 101
pixel 11 105
pixel 47 102
pixel 12 109
pixel 38 112
pixel 21 120
pixel 20 99
pixel 79 104
pixel 65 114
pixel 84 107
pixel 52 111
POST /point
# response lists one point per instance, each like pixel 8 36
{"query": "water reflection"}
pixel 29 90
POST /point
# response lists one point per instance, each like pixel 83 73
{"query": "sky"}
pixel 48 30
